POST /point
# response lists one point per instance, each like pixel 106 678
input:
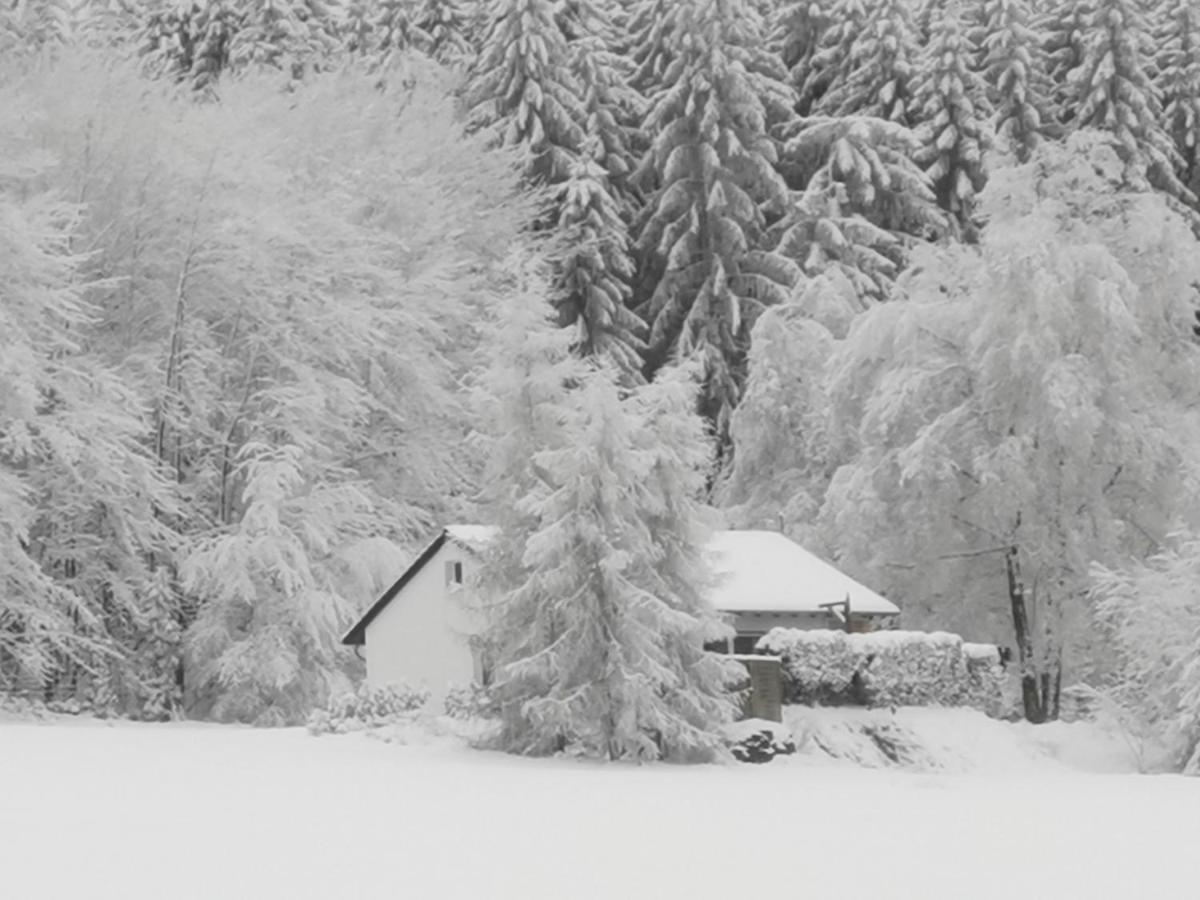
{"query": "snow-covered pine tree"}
pixel 1061 29
pixel 189 42
pixel 612 109
pixel 444 30
pixel 264 647
pixel 1015 68
pixel 862 201
pixel 597 200
pixel 797 28
pixel 1113 91
pixel 599 636
pixel 713 160
pixel 29 26
pixel 879 67
pixel 832 62
pixel 521 402
pixel 594 269
pixel 522 83
pixel 290 35
pixel 950 104
pixel 1177 80
pixel 647 25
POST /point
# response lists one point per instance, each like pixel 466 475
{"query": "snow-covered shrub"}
pixel 886 668
pixel 986 678
pixel 368 707
pixel 1151 609
pixel 474 701
pixel 759 741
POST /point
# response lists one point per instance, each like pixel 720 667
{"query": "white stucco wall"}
pixel 421 636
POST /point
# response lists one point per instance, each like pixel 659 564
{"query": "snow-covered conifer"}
pixel 522 82
pixel 879 65
pixel 595 269
pixel 1177 80
pixel 950 105
pixel 797 28
pixel 1015 68
pixel 599 639
pixel 612 110
pixel 443 29
pixel 647 25
pixel 862 204
pixel 1112 90
pixel 832 62
pixel 713 160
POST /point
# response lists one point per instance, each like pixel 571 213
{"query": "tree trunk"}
pixel 1031 696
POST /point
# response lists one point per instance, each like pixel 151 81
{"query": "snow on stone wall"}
pixel 887 668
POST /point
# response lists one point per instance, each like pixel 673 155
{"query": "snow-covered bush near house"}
pixel 472 701
pixel 886 668
pixel 368 707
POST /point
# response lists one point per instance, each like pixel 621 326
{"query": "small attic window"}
pixel 454 572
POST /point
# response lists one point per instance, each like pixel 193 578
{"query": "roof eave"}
pixel 357 636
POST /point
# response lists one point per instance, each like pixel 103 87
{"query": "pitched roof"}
pixel 757 571
pixel 765 571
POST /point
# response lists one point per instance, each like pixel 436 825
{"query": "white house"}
pixel 420 630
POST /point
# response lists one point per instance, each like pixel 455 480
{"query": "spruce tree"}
pixel 713 161
pixel 1063 33
pixel 599 632
pixel 949 103
pixel 594 269
pixel 832 63
pixel 612 109
pixel 442 29
pixel 863 201
pixel 1112 91
pixel 522 82
pixel 797 28
pixel 648 24
pixel 879 68
pixel 1015 69
pixel 1177 79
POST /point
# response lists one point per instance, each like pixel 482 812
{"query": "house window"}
pixel 454 572
pixel 743 644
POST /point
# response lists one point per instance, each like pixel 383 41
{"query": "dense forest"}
pixel 931 267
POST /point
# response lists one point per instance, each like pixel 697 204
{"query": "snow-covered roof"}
pixel 765 571
pixel 758 571
pixel 474 537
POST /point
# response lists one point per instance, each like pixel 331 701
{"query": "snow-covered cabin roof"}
pixel 757 571
pixel 765 571
pixel 473 537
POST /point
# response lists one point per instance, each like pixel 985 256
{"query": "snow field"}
pixel 204 811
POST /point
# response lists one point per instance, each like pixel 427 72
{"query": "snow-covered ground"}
pixel 89 809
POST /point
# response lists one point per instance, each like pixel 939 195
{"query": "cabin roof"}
pixel 757 571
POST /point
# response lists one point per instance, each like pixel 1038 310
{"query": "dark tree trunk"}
pixel 1031 696
pixel 1041 681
